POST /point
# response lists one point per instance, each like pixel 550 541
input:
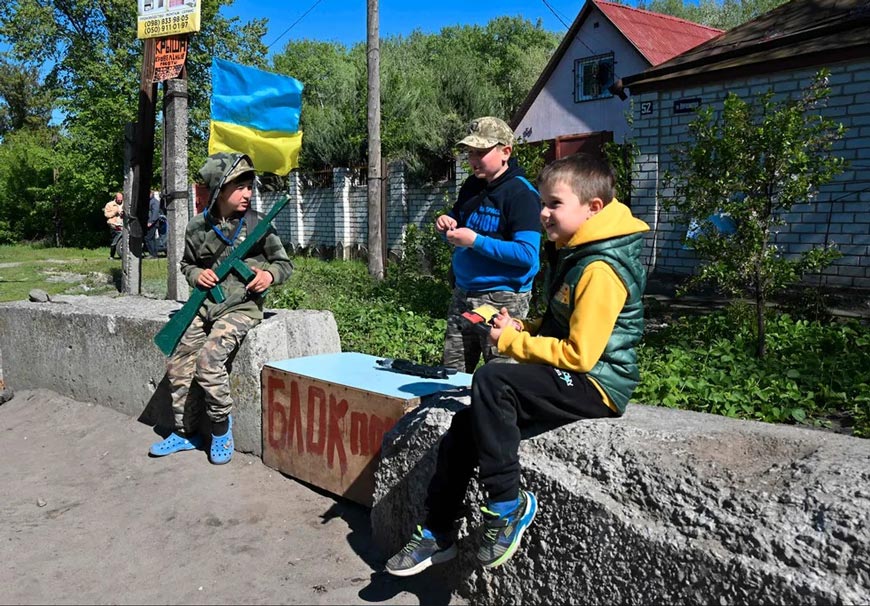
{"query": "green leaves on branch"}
pixel 431 86
pixel 752 162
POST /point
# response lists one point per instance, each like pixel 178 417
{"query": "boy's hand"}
pixel 445 223
pixel 261 281
pixel 502 319
pixel 462 236
pixel 207 278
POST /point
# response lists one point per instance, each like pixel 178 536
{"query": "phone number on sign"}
pixel 167 25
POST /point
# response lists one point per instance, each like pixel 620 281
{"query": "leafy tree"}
pixel 432 85
pixel 24 101
pixel 92 61
pixel 334 78
pixel 752 164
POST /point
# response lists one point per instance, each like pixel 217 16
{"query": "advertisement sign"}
pixel 169 56
pixel 159 18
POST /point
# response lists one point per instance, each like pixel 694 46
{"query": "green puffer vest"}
pixel 616 372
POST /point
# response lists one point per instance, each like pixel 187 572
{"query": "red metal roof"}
pixel 657 37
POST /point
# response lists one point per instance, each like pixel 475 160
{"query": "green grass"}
pixel 70 271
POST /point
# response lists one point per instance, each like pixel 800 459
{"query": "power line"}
pixel 567 27
pixel 556 14
pixel 311 8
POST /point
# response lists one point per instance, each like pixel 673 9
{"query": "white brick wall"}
pixel 839 215
pixel 333 221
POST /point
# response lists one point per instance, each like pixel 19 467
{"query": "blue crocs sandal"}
pixel 222 446
pixel 174 443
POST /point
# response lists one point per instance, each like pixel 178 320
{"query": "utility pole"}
pixel 375 175
pixel 175 182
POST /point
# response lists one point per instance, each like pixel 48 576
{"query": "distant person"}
pixel 219 328
pixel 114 213
pixel 577 362
pixel 154 216
pixel 495 230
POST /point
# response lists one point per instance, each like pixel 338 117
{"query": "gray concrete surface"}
pixel 89 518
pixel 659 507
pixel 100 350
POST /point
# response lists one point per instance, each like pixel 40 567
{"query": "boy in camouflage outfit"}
pixel 219 328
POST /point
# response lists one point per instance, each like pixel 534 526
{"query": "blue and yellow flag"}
pixel 257 113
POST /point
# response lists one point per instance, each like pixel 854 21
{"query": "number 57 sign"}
pixel 158 18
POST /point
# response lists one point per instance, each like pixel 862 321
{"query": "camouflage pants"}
pixel 462 351
pixel 198 370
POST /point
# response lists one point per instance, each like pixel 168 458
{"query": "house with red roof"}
pixel 574 103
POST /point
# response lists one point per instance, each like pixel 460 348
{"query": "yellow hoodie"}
pixel 599 298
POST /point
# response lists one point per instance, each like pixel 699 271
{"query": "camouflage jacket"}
pixel 203 249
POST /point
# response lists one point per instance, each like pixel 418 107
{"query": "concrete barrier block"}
pixel 658 507
pixel 100 350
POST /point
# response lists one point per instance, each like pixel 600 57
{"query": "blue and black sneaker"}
pixel 502 534
pixel 423 550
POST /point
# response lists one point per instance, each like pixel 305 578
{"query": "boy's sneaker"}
pixel 502 534
pixel 420 553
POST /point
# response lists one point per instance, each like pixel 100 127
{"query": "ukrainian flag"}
pixel 257 113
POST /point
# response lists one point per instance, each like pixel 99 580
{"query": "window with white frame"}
pixel 592 77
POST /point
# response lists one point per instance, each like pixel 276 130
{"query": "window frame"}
pixel 579 66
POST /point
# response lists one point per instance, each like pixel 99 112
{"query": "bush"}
pixel 402 317
pixel 815 373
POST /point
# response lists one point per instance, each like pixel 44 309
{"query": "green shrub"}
pixel 815 373
pixel 402 317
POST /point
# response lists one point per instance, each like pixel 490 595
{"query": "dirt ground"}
pixel 89 518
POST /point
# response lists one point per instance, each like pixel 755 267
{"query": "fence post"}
pixel 341 213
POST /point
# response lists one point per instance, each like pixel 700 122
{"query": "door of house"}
pixel 586 143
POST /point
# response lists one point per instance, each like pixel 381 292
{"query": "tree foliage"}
pixel 431 86
pixel 753 163
pixel 90 61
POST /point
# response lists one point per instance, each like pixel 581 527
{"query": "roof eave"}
pixel 654 77
pixel 551 66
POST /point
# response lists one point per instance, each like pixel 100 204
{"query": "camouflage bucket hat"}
pixel 487 132
pixel 223 167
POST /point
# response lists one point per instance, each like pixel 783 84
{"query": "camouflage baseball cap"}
pixel 487 132
pixel 223 167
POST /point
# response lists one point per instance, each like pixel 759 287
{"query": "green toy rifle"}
pixel 169 336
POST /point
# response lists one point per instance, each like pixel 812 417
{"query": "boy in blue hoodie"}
pixel 495 231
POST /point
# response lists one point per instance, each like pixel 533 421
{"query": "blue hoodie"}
pixel 505 215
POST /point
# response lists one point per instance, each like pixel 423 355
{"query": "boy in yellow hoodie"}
pixel 578 362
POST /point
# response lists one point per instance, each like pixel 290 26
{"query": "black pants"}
pixel 505 398
pixel 116 241
pixel 151 240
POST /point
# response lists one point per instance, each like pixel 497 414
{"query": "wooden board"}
pixel 324 417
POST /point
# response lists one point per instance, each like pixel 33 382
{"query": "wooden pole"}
pixel 373 52
pixel 143 168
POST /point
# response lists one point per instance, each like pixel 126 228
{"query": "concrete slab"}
pixel 660 506
pixel 100 350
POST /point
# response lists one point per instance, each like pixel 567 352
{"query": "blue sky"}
pixel 345 20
